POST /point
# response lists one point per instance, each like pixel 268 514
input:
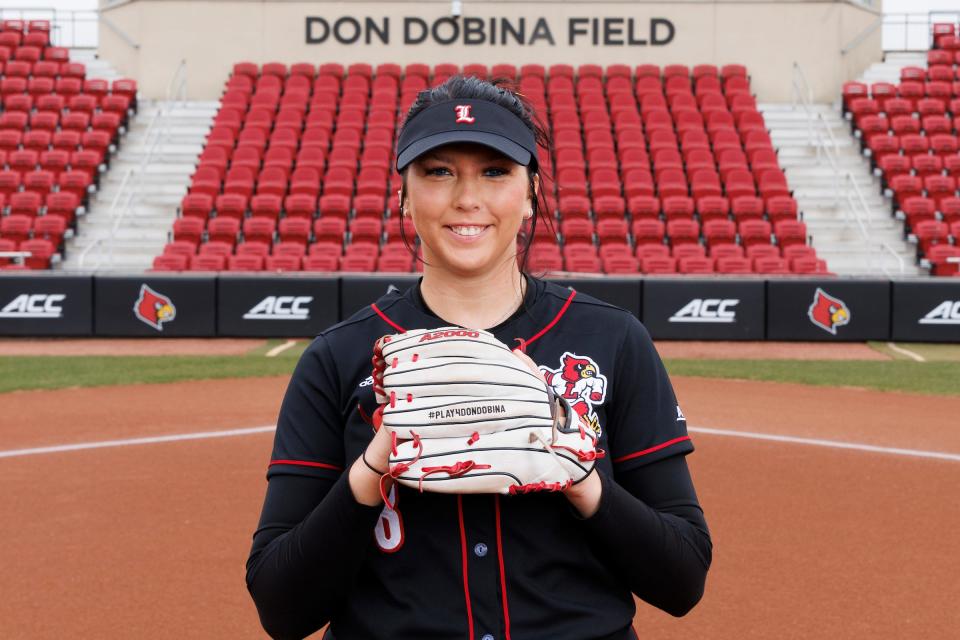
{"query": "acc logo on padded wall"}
pixel 947 312
pixel 35 306
pixel 281 308
pixel 154 308
pixel 579 381
pixel 828 312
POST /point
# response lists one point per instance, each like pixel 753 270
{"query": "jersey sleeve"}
pixel 309 437
pixel 645 421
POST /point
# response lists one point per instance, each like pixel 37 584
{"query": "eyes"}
pixel 492 171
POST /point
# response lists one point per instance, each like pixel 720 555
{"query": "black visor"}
pixel 465 120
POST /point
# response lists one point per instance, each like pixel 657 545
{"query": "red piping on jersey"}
pixel 463 556
pixel 305 463
pixel 663 445
pixel 566 305
pixel 503 573
pixel 523 343
pixel 390 322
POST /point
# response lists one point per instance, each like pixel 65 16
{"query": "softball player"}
pixel 560 565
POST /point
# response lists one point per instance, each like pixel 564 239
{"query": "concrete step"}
pixel 158 187
pixel 870 262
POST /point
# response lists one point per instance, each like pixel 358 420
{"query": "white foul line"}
pixel 906 352
pixel 102 444
pixel 835 444
pixel 281 348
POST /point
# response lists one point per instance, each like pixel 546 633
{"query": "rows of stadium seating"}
pixel 57 130
pixel 648 161
pixel 912 132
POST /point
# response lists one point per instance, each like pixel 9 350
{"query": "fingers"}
pixel 530 364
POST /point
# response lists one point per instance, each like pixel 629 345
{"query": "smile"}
pixel 467 231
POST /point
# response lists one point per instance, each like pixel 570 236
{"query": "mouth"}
pixel 467 231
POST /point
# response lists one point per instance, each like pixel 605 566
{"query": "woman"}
pixel 542 565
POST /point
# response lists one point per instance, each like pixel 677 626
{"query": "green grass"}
pixel 930 351
pixel 57 372
pixel 938 378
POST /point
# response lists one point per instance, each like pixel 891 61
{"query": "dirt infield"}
pixel 809 541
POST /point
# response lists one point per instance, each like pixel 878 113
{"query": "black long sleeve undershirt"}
pixel 649 530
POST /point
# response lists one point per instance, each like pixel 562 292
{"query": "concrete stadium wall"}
pixel 146 39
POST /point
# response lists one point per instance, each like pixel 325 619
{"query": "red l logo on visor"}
pixel 463 114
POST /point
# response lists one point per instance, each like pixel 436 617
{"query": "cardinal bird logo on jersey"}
pixel 154 308
pixel 828 312
pixel 580 382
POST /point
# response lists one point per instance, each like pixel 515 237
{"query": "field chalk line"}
pixel 273 353
pixel 226 433
pixel 834 444
pixel 906 352
pixel 128 442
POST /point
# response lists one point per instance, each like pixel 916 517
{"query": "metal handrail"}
pixel 861 37
pixel 857 204
pixel 827 146
pixel 124 200
pixel 123 35
pixel 916 19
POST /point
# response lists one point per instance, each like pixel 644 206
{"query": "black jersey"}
pixel 479 567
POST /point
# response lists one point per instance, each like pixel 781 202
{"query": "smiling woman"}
pixel 513 551
pixel 468 156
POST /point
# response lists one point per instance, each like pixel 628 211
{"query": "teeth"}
pixel 467 231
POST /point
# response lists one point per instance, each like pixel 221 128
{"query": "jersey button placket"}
pixel 487 636
pixel 480 550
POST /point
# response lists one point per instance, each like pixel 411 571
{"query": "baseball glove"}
pixel 467 416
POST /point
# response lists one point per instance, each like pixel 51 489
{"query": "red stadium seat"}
pixel 245 262
pixel 223 229
pixel 208 262
pixel 170 262
pixel 658 265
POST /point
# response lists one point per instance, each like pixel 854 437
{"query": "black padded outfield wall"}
pixel 155 306
pixel 46 306
pixel 926 310
pixel 302 306
pixel 620 292
pixel 715 309
pixel 276 307
pixel 828 310
pixel 357 292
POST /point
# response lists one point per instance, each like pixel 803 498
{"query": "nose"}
pixel 466 197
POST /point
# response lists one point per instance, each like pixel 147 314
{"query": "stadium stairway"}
pixel 155 194
pixel 837 236
pixel 889 69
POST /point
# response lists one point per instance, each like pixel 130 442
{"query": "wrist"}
pixel 585 495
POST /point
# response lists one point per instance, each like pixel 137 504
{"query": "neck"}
pixel 477 302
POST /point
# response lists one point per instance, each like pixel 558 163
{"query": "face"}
pixel 467 203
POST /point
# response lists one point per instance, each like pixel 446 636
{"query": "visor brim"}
pixel 496 142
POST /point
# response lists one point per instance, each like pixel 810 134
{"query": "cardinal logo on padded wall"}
pixel 828 312
pixel 153 308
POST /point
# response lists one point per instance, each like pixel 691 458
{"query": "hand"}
pixel 525 359
pixel 364 482
pixel 585 495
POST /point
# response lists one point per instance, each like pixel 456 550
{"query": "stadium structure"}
pixel 725 170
